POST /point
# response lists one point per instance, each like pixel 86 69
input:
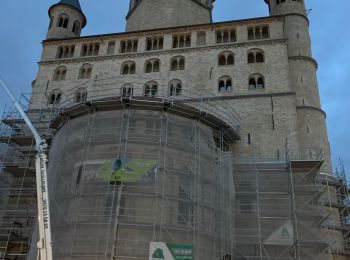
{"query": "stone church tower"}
pixel 66 20
pixel 302 75
pixel 199 139
pixel 152 14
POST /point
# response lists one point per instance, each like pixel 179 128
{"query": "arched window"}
pixel 128 67
pixel 256 56
pixel 151 89
pixel 127 46
pixel 152 65
pixel 60 73
pixel 251 57
pixel 258 32
pixel 225 84
pixel 175 88
pixel 65 51
pixel 62 21
pixel 85 71
pixel 256 81
pixel 260 83
pixel 154 43
pixel 80 95
pixel 90 49
pixel 226 36
pixel 127 90
pixel 177 63
pixel 259 57
pixel 54 97
pixel 252 83
pixel 226 58
pixel 182 40
pixel 76 28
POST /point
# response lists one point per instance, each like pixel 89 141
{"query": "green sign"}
pixel 124 170
pixel 163 251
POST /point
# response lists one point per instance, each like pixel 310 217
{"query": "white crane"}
pixel 45 243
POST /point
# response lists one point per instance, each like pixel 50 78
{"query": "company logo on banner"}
pixel 283 236
pixel 128 170
pixel 163 251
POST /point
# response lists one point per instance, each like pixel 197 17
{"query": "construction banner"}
pixel 283 236
pixel 163 251
pixel 122 169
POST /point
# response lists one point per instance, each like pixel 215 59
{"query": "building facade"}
pixel 220 123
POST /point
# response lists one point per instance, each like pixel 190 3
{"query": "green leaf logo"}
pixel 285 234
pixel 158 254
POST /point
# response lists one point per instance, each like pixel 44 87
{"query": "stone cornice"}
pixel 177 51
pixel 305 58
pixel 170 30
pixel 259 95
pixel 312 108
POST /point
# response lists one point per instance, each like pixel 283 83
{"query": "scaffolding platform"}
pixel 263 209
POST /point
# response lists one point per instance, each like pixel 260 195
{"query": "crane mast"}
pixel 44 244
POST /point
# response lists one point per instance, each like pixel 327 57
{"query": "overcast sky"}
pixel 23 26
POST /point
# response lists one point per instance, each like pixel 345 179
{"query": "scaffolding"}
pixel 285 208
pixel 186 198
pixel 272 208
pixel 338 210
pixel 18 207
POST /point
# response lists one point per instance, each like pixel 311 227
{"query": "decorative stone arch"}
pixel 256 56
pixel 128 67
pixel 256 81
pixel 127 90
pixel 63 21
pixel 54 97
pixel 226 58
pixel 76 27
pixel 85 71
pixel 152 65
pixel 80 95
pixel 175 88
pixel 177 63
pixel 225 84
pixel 151 89
pixel 60 73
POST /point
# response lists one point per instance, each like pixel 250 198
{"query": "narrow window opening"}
pixel 252 83
pixel 156 66
pixel 230 60
pixel 111 47
pixel 259 57
pixel 149 67
pixel 222 60
pixel 260 83
pixel 251 58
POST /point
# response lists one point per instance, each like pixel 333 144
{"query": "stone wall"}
pixel 268 115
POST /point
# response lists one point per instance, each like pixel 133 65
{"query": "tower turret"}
pixel 152 14
pixel 66 20
pixel 303 79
